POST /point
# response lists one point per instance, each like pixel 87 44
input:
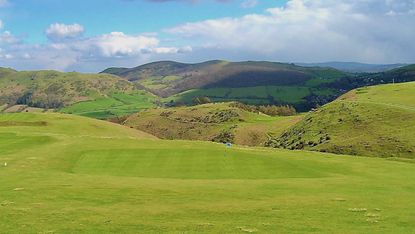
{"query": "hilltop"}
pixel 370 121
pixel 220 122
pixel 167 78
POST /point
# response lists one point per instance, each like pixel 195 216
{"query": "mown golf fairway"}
pixel 68 174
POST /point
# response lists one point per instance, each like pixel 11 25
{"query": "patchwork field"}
pixel 69 174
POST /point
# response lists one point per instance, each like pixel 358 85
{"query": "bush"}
pixel 270 110
pixel 224 137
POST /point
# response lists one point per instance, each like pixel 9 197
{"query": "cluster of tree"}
pixel 271 110
pixel 43 101
pixel 400 75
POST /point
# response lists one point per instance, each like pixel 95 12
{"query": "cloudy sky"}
pixel 90 35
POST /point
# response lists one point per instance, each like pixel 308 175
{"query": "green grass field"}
pixel 116 104
pixel 70 174
pixel 253 95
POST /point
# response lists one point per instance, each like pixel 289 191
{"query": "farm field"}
pixel 69 174
pixel 114 105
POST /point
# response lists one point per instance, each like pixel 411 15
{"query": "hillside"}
pixel 371 121
pixel 69 174
pixel 220 122
pixel 92 95
pixel 247 82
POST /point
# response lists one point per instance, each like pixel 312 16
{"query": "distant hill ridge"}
pixel 355 67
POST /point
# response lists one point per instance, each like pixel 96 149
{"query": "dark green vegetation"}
pixel 372 121
pixel 220 122
pixel 398 75
pixel 100 96
pixel 68 174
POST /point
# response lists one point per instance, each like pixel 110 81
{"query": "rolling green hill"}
pixel 69 174
pixel 221 122
pixel 247 82
pixel 371 121
pixel 100 96
pixel 107 96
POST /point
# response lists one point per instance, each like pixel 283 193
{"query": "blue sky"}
pixel 31 17
pixel 90 35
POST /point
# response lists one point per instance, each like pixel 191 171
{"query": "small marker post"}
pixel 228 145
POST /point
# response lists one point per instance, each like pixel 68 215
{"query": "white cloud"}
pixel 1 24
pixel 86 53
pixel 120 44
pixel 314 30
pixel 59 31
pixel 7 37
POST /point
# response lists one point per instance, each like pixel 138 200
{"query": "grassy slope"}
pixel 375 121
pixel 76 175
pixel 188 123
pixel 100 96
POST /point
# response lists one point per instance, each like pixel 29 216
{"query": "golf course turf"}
pixel 70 174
